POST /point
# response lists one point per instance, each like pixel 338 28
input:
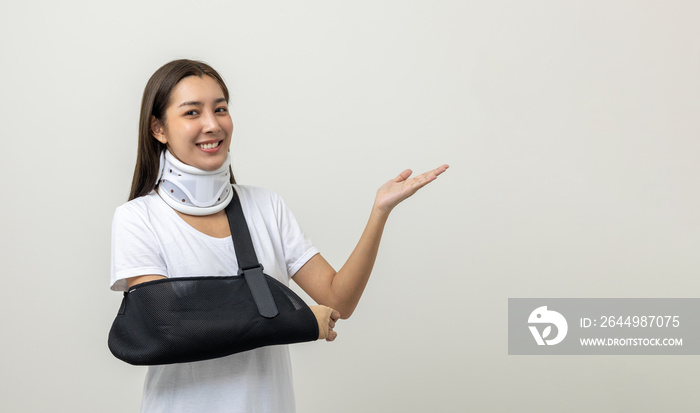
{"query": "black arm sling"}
pixel 185 319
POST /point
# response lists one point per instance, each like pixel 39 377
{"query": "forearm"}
pixel 342 290
pixel 350 281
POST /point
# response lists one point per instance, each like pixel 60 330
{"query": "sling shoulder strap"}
pixel 248 263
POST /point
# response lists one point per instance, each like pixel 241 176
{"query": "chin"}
pixel 213 164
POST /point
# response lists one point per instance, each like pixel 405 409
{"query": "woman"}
pixel 162 232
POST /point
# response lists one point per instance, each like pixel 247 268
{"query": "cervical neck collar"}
pixel 191 190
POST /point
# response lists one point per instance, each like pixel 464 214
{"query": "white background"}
pixel 571 128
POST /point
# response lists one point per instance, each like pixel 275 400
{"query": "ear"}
pixel 158 130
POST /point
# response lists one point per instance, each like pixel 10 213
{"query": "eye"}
pixel 222 109
pixel 191 113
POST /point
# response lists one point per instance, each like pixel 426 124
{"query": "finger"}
pixel 403 176
pixel 440 169
pixel 335 315
pixel 418 182
pixel 331 336
pixel 323 316
pixel 427 177
pixel 437 171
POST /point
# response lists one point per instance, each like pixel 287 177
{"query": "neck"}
pixel 191 190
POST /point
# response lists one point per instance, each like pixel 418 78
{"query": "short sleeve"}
pixel 135 248
pixel 298 248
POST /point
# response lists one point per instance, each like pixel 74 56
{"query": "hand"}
pixel 326 318
pixel 393 192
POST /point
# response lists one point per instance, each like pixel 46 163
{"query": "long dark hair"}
pixel 156 97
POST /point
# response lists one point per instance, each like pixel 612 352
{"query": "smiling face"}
pixel 197 127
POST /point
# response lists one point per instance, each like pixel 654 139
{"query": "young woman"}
pixel 161 232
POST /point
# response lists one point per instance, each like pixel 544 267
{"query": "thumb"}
pixel 403 176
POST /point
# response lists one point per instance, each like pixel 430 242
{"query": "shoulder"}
pixel 255 195
pixel 139 209
pixel 255 192
pixel 263 203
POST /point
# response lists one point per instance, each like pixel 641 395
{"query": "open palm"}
pixel 393 192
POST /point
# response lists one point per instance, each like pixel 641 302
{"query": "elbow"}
pixel 345 311
pixel 343 306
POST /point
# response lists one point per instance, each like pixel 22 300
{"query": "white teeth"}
pixel 208 145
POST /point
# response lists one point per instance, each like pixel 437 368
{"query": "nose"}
pixel 210 123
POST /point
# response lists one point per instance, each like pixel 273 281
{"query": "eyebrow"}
pixel 195 103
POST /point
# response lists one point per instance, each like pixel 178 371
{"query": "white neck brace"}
pixel 191 190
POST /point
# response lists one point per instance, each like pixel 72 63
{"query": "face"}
pixel 198 126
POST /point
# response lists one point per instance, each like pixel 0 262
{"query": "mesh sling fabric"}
pixel 178 320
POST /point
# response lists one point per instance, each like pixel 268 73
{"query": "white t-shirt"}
pixel 148 237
